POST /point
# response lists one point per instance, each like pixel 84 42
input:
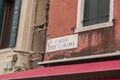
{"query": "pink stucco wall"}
pixel 62 21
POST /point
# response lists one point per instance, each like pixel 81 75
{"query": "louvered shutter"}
pixel 90 12
pixel 104 10
pixel 2 9
pixel 15 23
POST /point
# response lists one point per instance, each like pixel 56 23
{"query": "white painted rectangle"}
pixel 62 43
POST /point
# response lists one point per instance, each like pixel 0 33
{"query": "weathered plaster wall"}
pixel 62 20
pixel 23 43
pixel 3 59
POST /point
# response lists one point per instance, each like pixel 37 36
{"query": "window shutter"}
pixel 90 12
pixel 104 9
pixel 15 23
pixel 2 8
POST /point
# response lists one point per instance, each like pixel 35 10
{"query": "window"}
pixel 9 18
pixel 94 14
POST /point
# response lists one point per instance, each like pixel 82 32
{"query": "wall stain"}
pixel 106 45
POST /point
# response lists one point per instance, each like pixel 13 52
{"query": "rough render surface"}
pixel 62 19
pixel 24 40
pixel 24 27
pixel 3 59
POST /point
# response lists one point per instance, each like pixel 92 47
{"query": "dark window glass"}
pixel 9 19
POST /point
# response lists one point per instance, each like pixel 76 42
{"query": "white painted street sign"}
pixel 62 43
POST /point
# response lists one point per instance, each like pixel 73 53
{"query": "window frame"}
pixel 10 24
pixel 80 16
pixel 6 23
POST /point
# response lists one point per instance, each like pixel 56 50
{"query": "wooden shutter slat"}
pixel 90 12
pixel 103 11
